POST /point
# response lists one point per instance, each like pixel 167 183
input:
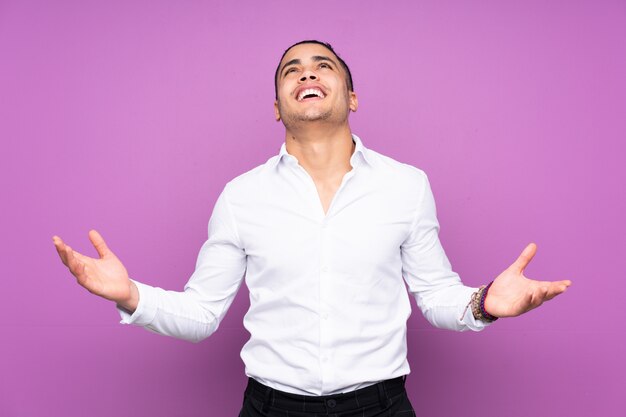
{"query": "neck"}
pixel 322 152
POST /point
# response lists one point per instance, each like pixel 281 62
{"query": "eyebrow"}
pixel 315 58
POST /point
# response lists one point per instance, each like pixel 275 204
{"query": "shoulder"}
pixel 398 171
pixel 251 181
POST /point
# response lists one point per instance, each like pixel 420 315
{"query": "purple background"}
pixel 130 116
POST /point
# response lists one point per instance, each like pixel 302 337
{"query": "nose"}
pixel 308 75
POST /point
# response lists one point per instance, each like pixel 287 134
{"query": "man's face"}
pixel 312 87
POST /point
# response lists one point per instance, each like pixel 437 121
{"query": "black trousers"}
pixel 387 398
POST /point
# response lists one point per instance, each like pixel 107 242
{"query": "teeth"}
pixel 308 91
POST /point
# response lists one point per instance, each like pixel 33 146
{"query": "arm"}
pixel 192 314
pixel 439 291
pixel 440 294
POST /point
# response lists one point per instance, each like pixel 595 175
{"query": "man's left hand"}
pixel 512 294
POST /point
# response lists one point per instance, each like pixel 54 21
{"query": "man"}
pixel 324 234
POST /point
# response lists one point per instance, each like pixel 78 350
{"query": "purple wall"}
pixel 130 116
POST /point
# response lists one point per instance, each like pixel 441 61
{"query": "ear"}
pixel 354 102
pixel 276 111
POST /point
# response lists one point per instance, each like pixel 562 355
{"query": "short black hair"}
pixel 325 45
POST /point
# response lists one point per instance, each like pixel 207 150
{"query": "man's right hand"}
pixel 106 276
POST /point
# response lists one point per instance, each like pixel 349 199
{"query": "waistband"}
pixel 377 394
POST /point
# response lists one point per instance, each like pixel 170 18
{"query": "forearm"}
pixel 446 308
pixel 171 313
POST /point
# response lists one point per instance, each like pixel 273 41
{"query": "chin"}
pixel 307 117
pixel 314 117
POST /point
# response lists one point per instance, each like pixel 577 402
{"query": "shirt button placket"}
pixel 325 281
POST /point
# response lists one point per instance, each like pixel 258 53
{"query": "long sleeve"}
pixel 196 312
pixel 439 292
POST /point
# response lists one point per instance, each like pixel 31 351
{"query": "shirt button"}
pixel 324 268
pixel 331 403
pixel 324 359
pixel 325 316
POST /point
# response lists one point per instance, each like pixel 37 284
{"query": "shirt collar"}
pixel 359 156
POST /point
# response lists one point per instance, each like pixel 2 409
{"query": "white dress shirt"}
pixel 328 303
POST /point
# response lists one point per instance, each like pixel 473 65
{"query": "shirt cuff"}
pixel 146 308
pixel 468 318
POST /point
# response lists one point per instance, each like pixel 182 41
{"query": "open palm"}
pixel 105 276
pixel 512 294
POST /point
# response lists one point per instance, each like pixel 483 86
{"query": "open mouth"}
pixel 310 94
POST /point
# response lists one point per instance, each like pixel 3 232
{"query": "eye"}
pixel 325 65
pixel 290 70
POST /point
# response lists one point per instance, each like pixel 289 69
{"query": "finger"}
pixel 524 259
pixel 561 286
pixel 557 288
pixel 82 258
pixel 76 254
pixel 538 297
pixel 60 247
pixel 75 266
pixel 98 242
pixel 546 290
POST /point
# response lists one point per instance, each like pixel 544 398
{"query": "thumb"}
pixel 524 259
pixel 98 242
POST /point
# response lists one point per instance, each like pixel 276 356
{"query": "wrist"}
pixel 131 302
pixel 483 302
pixel 478 305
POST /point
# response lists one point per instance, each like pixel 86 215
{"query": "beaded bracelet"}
pixel 478 305
pixel 488 316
